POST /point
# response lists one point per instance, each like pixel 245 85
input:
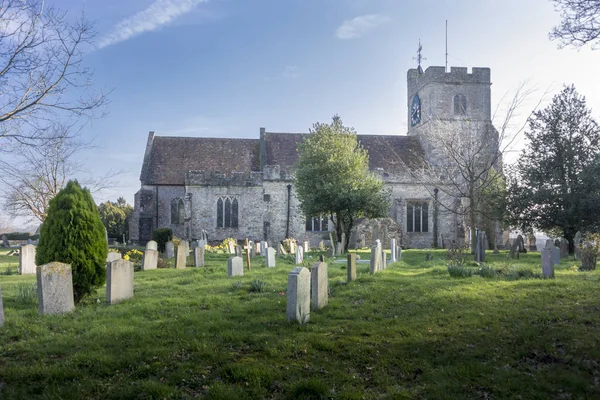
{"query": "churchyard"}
pixel 412 330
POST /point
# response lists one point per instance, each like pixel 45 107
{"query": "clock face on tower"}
pixel 415 111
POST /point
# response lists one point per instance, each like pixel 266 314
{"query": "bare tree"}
pixel 36 174
pixel 40 69
pixel 580 23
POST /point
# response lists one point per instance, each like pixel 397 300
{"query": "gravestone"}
pixel 399 253
pixel 55 288
pixel 319 283
pixel 1 310
pixel 181 259
pixel 339 249
pixel 577 240
pixel 564 248
pixel 556 255
pixel 532 242
pixel 383 260
pixel 384 234
pixel 521 244
pixel 305 246
pixel 231 247
pixel 27 260
pixel 199 257
pixel 375 264
pixel 263 247
pixel 351 267
pixel 270 257
pixel 299 255
pixel 247 247
pixel 393 249
pixel 202 243
pixel 292 247
pixel 170 249
pixel 112 256
pixel 257 248
pixel 150 260
pixel 480 242
pixel 547 263
pixel 119 281
pixel 549 243
pixel 298 296
pixel 193 245
pixel 252 249
pixel 5 242
pixel 235 266
pixel 151 245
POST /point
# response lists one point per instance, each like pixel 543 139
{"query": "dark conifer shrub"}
pixel 73 234
pixel 161 236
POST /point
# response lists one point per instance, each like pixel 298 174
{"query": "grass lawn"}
pixel 411 331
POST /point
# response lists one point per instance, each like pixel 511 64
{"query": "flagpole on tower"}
pixel 446 46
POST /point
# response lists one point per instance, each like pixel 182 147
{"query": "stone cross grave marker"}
pixel 1 310
pixel 270 257
pixel 547 262
pixel 150 260
pixel 351 267
pixel 319 285
pixel 247 247
pixel 298 296
pixel 151 245
pixel 27 260
pixel 55 288
pixel 393 249
pixel 182 252
pixel 299 255
pixel 170 249
pixel 235 266
pixel 119 281
pixel 199 257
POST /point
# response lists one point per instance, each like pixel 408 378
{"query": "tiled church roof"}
pixel 170 158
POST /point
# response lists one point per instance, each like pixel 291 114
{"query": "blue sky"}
pixel 225 68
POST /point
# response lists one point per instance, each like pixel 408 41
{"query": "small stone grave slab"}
pixel 27 260
pixel 306 246
pixel 299 255
pixel 298 296
pixel 170 250
pixel 351 267
pixel 270 257
pixel 181 259
pixel 231 247
pixel 119 281
pixel 151 245
pixel 319 284
pixel 235 266
pixel 199 257
pixel 150 259
pixel 547 262
pixel 55 288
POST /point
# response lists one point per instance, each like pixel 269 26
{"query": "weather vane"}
pixel 419 56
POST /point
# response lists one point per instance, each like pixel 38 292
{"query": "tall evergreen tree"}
pixel 555 184
pixel 73 234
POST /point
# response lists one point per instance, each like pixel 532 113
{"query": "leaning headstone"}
pixel 55 288
pixel 150 260
pixel 480 239
pixel 231 247
pixel 181 259
pixel 119 281
pixel 199 257
pixel 393 249
pixel 151 245
pixel 556 255
pixel 5 242
pixel 270 257
pixel 235 266
pixel 319 285
pixel 112 256
pixel 351 267
pixel 299 255
pixel 577 240
pixel 547 263
pixel 170 249
pixel 27 260
pixel 1 310
pixel 298 296
pixel 564 248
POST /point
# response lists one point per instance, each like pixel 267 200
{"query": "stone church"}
pixel 244 188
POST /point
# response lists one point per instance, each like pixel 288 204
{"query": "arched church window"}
pixel 227 212
pixel 317 224
pixel 460 104
pixel 417 216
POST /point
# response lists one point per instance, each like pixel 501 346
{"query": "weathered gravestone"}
pixel 547 263
pixel 399 253
pixel 564 248
pixel 263 247
pixel 393 249
pixel 150 260
pixel 383 260
pixel 182 252
pixel 375 265
pixel 299 255
pixel 119 281
pixel 5 242
pixel 521 244
pixel 1 310
pixel 235 266
pixel 480 244
pixel 351 267
pixel 319 285
pixel 257 248
pixel 231 247
pixel 112 256
pixel 577 240
pixel 199 257
pixel 170 249
pixel 305 246
pixel 270 257
pixel 55 288
pixel 252 249
pixel 298 296
pixel 532 242
pixel 151 245
pixel 556 255
pixel 202 243
pixel 238 250
pixel 27 260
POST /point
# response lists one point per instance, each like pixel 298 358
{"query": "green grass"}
pixel 411 331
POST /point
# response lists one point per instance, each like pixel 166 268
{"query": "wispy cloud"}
pixel 357 27
pixel 291 72
pixel 159 13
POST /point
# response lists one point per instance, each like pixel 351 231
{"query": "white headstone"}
pixel 182 252
pixel 270 258
pixel 199 256
pixel 170 249
pixel 235 266
pixel 298 296
pixel 231 247
pixel 150 260
pixel 393 249
pixel 55 288
pixel 119 281
pixel 299 255
pixel 306 246
pixel 383 260
pixel 27 260
pixel 319 285
pixel 151 245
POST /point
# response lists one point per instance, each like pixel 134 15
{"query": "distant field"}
pixel 411 331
